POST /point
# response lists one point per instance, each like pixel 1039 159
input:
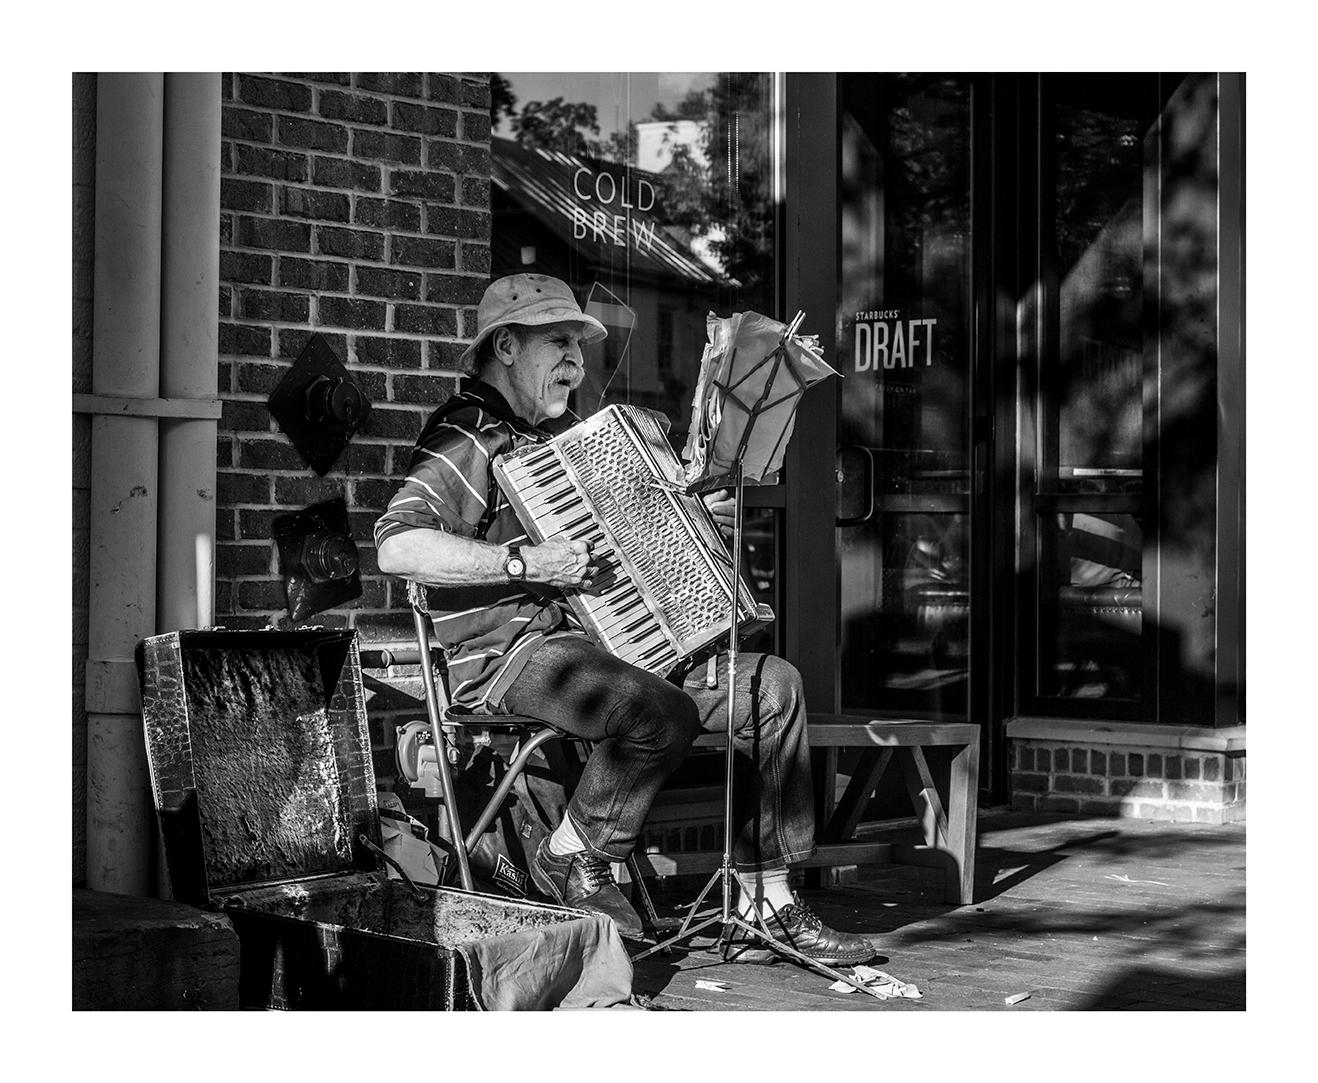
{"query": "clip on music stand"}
pixel 775 379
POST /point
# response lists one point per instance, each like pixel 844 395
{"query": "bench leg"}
pixel 924 796
pixel 851 806
pixel 952 833
pixel 824 770
pixel 962 819
pixel 823 763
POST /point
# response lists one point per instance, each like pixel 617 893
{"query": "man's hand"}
pixel 560 563
pixel 722 506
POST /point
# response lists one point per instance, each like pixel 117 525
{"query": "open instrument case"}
pixel 261 766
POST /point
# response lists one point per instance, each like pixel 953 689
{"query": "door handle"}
pixel 867 458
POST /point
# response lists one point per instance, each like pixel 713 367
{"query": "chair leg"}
pixel 419 622
pixel 565 763
pixel 648 914
pixel 501 792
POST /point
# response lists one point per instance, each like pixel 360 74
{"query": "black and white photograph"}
pixel 665 542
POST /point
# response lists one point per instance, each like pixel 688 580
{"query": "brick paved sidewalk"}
pixel 1081 913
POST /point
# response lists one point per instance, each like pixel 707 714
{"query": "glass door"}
pixel 1087 492
pixel 906 349
pixel 1118 398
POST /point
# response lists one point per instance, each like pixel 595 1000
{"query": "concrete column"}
pixel 125 362
pixel 189 348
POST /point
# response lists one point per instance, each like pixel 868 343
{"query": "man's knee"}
pixel 779 685
pixel 778 697
pixel 659 716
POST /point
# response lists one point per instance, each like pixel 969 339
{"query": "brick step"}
pixel 148 954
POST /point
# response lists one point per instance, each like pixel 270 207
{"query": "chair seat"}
pixel 494 721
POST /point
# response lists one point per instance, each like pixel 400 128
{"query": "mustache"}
pixel 568 373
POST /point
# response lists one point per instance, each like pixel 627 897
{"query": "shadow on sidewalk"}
pixel 1147 988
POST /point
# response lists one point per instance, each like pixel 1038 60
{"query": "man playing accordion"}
pixel 514 645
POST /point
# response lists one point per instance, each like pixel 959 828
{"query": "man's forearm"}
pixel 442 559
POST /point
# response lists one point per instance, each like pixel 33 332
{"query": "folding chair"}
pixel 424 759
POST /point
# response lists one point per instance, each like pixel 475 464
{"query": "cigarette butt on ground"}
pixel 1015 998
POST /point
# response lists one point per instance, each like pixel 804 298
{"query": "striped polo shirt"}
pixel 488 633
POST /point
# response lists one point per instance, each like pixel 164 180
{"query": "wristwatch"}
pixel 514 566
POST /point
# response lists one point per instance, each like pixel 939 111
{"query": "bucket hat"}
pixel 531 300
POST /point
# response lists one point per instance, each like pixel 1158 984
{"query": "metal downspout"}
pixel 189 359
pixel 125 364
pixel 189 349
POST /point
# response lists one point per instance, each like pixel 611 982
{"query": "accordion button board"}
pixel 664 587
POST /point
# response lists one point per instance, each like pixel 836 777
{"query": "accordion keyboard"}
pixel 664 586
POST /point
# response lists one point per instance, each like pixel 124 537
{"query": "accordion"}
pixel 665 586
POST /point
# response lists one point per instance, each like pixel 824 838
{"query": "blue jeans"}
pixel 643 726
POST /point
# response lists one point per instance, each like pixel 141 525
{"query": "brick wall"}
pixel 84 235
pixel 356 205
pixel 1117 780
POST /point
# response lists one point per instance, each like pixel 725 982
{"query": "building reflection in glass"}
pixel 1090 602
pixel 653 197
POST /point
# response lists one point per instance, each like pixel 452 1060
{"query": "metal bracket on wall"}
pixel 318 560
pixel 122 406
pixel 318 405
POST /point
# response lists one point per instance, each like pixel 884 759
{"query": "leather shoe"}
pixel 797 926
pixel 584 880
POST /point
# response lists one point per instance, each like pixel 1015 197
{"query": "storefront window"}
pixel 656 198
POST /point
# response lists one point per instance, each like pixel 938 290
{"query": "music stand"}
pixel 743 416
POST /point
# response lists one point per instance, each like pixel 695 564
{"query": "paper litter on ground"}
pixel 882 985
pixel 711 985
pixel 1124 879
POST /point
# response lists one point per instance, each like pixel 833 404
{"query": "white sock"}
pixel 766 891
pixel 565 839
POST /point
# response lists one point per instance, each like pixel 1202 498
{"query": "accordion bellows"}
pixel 665 588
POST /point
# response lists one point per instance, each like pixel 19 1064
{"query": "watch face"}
pixel 516 567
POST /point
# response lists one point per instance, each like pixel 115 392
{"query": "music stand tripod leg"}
pixel 686 929
pixel 774 944
pixel 761 930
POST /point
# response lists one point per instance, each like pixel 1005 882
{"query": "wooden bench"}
pixel 948 823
